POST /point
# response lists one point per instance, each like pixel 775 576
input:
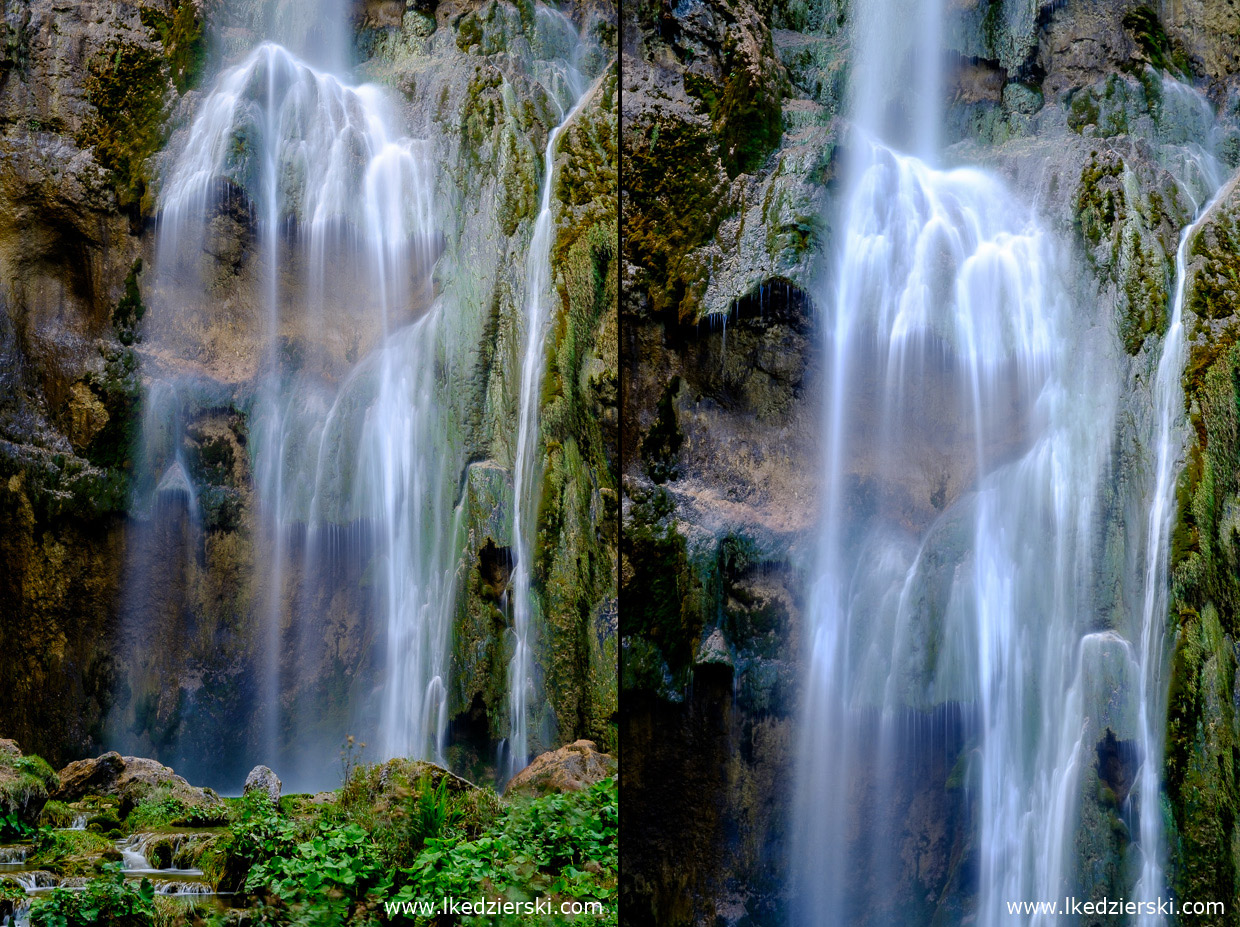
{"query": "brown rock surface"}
pixel 569 769
pixel 132 778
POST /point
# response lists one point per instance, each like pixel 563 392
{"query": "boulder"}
pixel 132 779
pixel 261 779
pixel 83 777
pixel 569 769
pixel 387 786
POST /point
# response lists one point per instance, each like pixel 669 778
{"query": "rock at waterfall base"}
pixel 25 782
pixel 262 779
pixel 132 779
pixel 569 769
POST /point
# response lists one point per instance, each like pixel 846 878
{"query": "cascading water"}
pixel 298 322
pixel 969 415
pixel 964 448
pixel 338 449
pixel 525 472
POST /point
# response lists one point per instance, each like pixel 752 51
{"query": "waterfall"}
pixel 298 329
pixel 967 426
pixel 969 411
pixel 525 470
pixel 342 212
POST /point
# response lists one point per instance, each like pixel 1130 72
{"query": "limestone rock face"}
pixel 132 779
pixel 261 779
pixel 569 769
pixel 73 180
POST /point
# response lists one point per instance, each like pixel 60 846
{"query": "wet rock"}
pixel 261 779
pixel 714 651
pixel 132 779
pixel 568 769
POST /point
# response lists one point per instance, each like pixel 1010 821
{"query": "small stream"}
pixel 180 877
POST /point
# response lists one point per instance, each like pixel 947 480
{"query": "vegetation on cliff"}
pixel 1203 726
pixel 130 85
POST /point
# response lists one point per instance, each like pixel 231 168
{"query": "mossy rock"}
pixel 25 783
pixel 676 198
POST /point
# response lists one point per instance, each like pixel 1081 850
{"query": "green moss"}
pixel 1151 37
pixel 128 87
pixel 750 119
pixel 69 852
pixel 1216 287
pixel 1100 202
pixel 746 111
pixel 1111 106
pixel 130 310
pixel 675 199
pixel 25 782
pixel 1203 730
pixel 661 446
pixel 468 32
pixel 481 113
pixel 1101 205
pixel 1082 111
pixel 518 187
pixel 119 389
pixel 661 594
pixel 1145 291
pixel 492 29
pixel 57 814
pixel 576 536
pixel 181 34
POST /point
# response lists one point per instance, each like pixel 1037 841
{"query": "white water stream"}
pixel 526 476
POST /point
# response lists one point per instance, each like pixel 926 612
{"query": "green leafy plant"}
pixel 258 834
pixel 340 863
pixel 559 846
pixel 11 895
pixel 421 814
pixel 331 864
pixel 14 828
pixel 108 901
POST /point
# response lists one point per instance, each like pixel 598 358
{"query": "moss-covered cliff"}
pixel 1203 728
